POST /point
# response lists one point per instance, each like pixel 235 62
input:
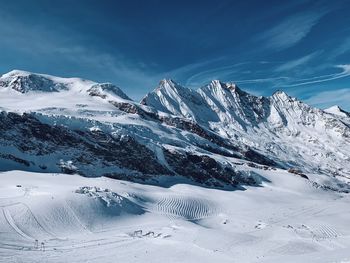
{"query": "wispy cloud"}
pixel 223 68
pixel 261 80
pixel 340 97
pixel 343 48
pixel 40 42
pixel 323 78
pixel 113 67
pixel 67 50
pixel 297 62
pixel 290 31
pixel 216 72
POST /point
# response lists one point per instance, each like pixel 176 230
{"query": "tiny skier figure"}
pixel 36 244
pixel 42 246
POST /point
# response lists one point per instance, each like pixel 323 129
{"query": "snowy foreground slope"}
pixel 213 175
pixel 106 220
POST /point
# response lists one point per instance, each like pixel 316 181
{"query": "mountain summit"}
pixel 337 111
pixel 25 82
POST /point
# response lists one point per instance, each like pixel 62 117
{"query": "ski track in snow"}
pixel 325 232
pixel 12 223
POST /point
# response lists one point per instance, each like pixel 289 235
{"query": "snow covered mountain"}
pixel 283 128
pixel 51 124
pixel 95 129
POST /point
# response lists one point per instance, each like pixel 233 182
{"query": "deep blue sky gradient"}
pixel 302 47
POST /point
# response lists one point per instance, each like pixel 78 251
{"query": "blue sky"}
pixel 302 47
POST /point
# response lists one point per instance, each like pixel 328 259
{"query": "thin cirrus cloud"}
pixel 49 43
pixel 340 97
pixel 290 31
pixel 343 48
pixel 24 39
pixel 297 62
pixel 323 78
pixel 214 72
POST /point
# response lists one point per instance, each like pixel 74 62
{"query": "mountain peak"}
pixel 23 82
pixel 216 82
pixel 103 89
pixel 169 85
pixel 167 82
pixel 334 107
pixel 281 95
pixel 336 110
pixel 14 73
pixel 222 86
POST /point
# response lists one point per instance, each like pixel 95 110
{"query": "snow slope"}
pixel 105 220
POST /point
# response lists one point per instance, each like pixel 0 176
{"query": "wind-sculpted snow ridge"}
pixel 209 136
pixel 187 208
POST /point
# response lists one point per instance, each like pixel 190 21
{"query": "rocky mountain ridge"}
pixel 207 136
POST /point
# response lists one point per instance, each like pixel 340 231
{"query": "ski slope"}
pixel 69 218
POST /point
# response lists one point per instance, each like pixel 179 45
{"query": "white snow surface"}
pixel 104 220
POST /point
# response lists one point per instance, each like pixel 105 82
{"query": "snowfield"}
pixel 69 218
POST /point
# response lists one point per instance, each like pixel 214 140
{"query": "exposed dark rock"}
pixel 32 82
pixel 97 153
pixel 256 157
pixel 204 169
pixel 84 148
pixel 298 172
pixel 183 124
pixel 15 159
